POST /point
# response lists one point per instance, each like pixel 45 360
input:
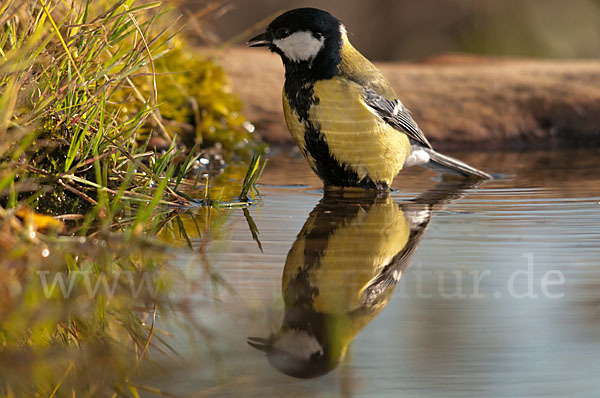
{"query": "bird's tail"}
pixel 447 165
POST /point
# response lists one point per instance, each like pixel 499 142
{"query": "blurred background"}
pixel 387 30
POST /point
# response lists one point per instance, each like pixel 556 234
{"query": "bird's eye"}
pixel 282 32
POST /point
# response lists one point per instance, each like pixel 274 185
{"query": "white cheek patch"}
pixel 300 46
pixel 298 344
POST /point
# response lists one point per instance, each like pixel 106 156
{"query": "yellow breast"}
pixel 355 135
pixel 349 258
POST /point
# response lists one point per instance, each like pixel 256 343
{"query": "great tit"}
pixel 340 109
pixel 342 270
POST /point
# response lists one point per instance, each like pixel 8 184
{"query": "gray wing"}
pixel 396 115
pixel 390 274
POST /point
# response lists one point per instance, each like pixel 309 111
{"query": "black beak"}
pixel 259 343
pixel 261 40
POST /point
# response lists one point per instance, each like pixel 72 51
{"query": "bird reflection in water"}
pixel 342 270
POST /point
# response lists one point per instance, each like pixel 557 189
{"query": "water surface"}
pixel 439 289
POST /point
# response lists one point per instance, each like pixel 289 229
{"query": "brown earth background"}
pixel 528 73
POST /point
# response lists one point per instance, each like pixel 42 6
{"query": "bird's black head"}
pixel 307 39
pixel 308 345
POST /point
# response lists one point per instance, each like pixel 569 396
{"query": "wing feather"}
pixel 396 115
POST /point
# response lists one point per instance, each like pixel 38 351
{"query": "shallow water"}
pixel 489 290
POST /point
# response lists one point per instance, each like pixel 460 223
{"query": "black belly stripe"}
pixel 332 210
pixel 330 170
